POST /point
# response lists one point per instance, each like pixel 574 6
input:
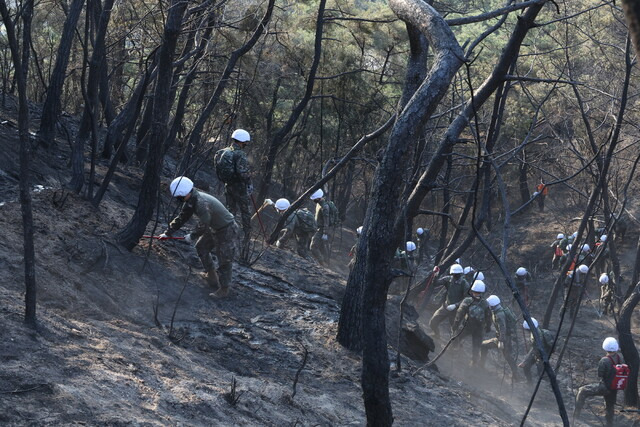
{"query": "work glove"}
pixel 250 189
pixel 187 238
pixel 451 307
pixel 268 202
pixel 279 244
pixel 163 236
pixel 500 345
pixel 436 269
pixel 325 237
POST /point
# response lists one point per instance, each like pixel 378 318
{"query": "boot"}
pixel 225 280
pixel 211 277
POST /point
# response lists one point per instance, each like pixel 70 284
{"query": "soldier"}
pixel 422 237
pixel 232 168
pixel 504 322
pixel 534 356
pixel 300 224
pixel 320 240
pixel 607 293
pixel 405 258
pixel 574 283
pixel 352 251
pixel 216 231
pixel 522 279
pixel 604 259
pixel 609 383
pixel 556 246
pixel 541 191
pixel 456 289
pixel 476 315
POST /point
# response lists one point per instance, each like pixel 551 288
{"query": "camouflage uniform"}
pixel 236 191
pixel 216 232
pixel 522 283
pixel 295 227
pixel 504 322
pixel 422 240
pixel 352 254
pixel 606 372
pixel 456 290
pixel 319 247
pixel 534 357
pixel 476 316
pixel 608 295
pixel 574 290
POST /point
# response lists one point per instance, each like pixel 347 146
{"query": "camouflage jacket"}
pixel 241 163
pixel 210 212
pixel 322 216
pixel 456 289
pixel 606 371
pixel 476 312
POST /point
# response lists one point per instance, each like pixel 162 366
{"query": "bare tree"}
pixel 21 65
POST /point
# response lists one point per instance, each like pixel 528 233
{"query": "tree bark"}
pixel 148 196
pixel 52 107
pixel 21 65
pixel 628 347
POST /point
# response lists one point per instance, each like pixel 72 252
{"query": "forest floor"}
pixel 133 338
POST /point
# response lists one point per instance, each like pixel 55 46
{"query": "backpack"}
pixel 620 377
pixel 558 251
pixel 307 221
pixel 334 215
pixel 510 320
pixel 225 166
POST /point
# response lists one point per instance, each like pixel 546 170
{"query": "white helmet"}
pixel 535 193
pixel 420 231
pixel 583 269
pixel 468 270
pixel 521 271
pixel 585 248
pixel 318 194
pixel 241 135
pixel 359 230
pixel 456 269
pixel 282 204
pixel 604 278
pixel 569 246
pixel 493 300
pixel 479 276
pixel 560 236
pixel 603 238
pixel 610 344
pixel 181 186
pixel 478 286
pixel 575 234
pixel 411 246
pixel 526 325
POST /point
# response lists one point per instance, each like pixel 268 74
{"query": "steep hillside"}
pixel 133 338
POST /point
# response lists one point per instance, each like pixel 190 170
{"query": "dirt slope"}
pixel 132 338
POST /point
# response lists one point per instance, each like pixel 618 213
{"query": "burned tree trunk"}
pixel 148 197
pixel 628 347
pixel 51 108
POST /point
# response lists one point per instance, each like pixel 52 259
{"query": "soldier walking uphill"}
pixel 612 373
pixel 456 289
pixel 522 279
pixel 300 224
pixel 216 232
pixel 504 322
pixel 574 284
pixel 320 240
pixel 534 356
pixel 474 317
pixel 353 250
pixel 422 237
pixel 607 293
pixel 232 168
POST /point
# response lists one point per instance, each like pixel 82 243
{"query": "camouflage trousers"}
pixel 238 200
pixel 320 248
pixel 223 244
pixel 507 352
pixel 439 316
pixel 597 389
